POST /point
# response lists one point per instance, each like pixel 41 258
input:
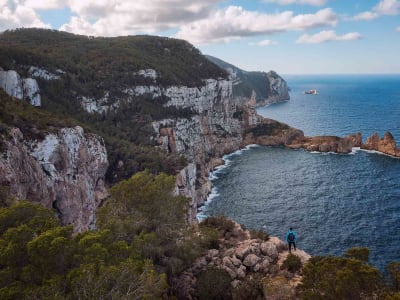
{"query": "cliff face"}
pixel 23 89
pixel 64 171
pixel 221 124
pixel 260 87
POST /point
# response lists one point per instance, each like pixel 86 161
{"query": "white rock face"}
pixel 210 133
pixel 197 98
pixel 31 91
pixel 101 105
pixel 23 89
pixel 65 171
pixel 44 74
pixel 11 82
pixel 148 73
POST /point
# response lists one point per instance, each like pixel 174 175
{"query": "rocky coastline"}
pixel 221 123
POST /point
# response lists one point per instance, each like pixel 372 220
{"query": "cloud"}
pixel 45 4
pixel 234 23
pixel 383 8
pixel 15 15
pixel 287 2
pixel 398 29
pixel 264 43
pixel 120 17
pixel 326 36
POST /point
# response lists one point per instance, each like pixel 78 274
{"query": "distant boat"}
pixel 311 92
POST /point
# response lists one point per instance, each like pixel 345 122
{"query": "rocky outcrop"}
pixel 44 74
pixel 241 256
pixel 23 89
pixel 324 144
pixel 65 171
pixel 386 145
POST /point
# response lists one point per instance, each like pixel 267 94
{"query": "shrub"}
pixel 259 234
pixel 292 263
pixel 213 283
pixel 394 273
pixel 358 253
pixel 278 288
pixel 339 278
pixel 250 288
pixel 222 223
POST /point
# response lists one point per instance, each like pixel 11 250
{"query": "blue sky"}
pixel 288 36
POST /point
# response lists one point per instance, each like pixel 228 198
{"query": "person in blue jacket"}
pixel 291 239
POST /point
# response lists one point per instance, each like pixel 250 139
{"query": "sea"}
pixel 333 201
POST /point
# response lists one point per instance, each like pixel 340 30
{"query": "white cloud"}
pixel 287 2
pixel 264 43
pixel 45 4
pixel 326 36
pixel 234 23
pixel 15 15
pixel 383 8
pixel 398 29
pixel 387 7
pixel 120 17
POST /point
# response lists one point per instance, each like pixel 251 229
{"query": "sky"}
pixel 288 36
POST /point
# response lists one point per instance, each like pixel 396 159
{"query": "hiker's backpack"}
pixel 291 237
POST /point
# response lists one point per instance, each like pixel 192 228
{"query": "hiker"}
pixel 291 239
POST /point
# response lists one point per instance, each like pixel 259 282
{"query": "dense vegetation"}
pixel 141 242
pixel 348 277
pixel 102 62
pixel 94 66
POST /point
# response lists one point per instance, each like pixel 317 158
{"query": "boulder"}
pixel 269 249
pixel 251 260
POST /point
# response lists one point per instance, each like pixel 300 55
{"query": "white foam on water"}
pixel 214 175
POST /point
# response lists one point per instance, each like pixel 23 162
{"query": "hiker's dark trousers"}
pixel 290 246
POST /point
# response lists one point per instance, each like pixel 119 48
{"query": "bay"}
pixel 334 202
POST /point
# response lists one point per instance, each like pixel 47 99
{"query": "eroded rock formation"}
pixel 386 145
pixel 65 171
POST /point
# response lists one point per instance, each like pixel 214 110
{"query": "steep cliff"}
pixel 260 88
pixel 221 124
pixel 45 159
pixel 64 171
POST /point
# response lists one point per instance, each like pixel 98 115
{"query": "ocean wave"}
pixel 201 212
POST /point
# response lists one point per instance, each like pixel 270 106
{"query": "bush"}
pixel 259 234
pixel 358 253
pixel 221 223
pixel 394 272
pixel 292 263
pixel 250 288
pixel 339 278
pixel 213 283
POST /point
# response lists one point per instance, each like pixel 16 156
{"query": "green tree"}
pixel 393 269
pixel 358 253
pixel 339 278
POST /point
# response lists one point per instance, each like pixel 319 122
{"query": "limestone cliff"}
pixel 23 89
pixel 64 171
pixel 221 124
pixel 260 88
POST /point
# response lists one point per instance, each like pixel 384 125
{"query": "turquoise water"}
pixel 333 201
